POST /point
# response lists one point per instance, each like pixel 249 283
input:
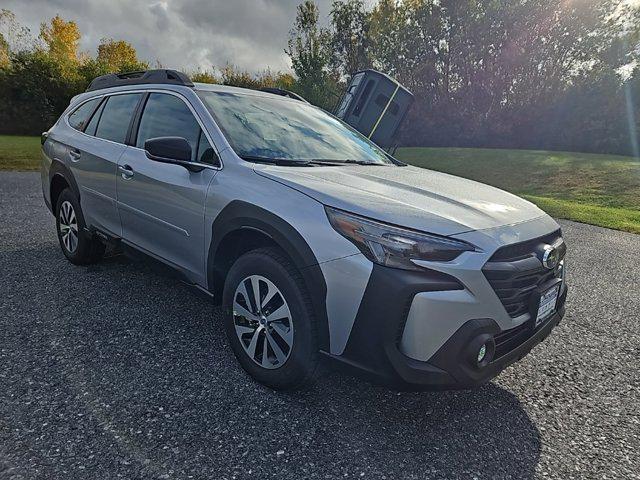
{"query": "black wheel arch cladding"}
pixel 60 170
pixel 239 215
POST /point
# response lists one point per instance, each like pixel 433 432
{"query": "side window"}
pixel 382 100
pixel 80 116
pixel 167 116
pixel 93 123
pixel 206 153
pixel 116 115
pixel 348 97
pixel 363 98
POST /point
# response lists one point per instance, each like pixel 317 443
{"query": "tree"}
pixel 33 93
pixel 350 37
pixel 481 70
pixel 241 78
pixel 118 56
pixel 204 77
pixel 4 53
pixel 62 39
pixel 309 50
pixel 15 37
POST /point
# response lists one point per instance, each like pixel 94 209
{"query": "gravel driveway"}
pixel 118 370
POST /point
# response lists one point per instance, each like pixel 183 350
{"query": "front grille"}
pixel 515 272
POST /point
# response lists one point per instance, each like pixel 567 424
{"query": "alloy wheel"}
pixel 263 322
pixel 68 222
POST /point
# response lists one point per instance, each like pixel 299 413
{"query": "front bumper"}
pixel 375 346
pixel 451 367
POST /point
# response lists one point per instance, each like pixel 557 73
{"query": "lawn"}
pixel 597 189
pixel 19 153
pixel 601 190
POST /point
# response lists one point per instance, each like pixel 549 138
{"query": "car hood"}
pixel 407 196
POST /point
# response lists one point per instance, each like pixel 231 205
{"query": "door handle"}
pixel 74 154
pixel 126 170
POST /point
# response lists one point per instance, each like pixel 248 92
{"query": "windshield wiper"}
pixel 287 162
pixel 347 161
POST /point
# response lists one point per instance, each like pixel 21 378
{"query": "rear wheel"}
pixel 77 245
pixel 270 322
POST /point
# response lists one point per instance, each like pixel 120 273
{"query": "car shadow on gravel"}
pixel 128 372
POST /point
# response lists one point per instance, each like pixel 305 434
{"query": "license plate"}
pixel 547 306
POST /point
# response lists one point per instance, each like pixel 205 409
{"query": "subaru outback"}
pixel 317 243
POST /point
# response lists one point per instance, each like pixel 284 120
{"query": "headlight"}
pixel 393 246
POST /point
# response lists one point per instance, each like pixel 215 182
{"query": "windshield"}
pixel 272 128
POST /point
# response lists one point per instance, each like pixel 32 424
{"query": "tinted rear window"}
pixel 80 116
pixel 116 115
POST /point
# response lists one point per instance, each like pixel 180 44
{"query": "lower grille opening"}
pixel 510 339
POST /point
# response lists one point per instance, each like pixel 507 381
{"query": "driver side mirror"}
pixel 166 149
pixel 175 150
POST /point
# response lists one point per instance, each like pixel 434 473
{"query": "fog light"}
pixel 482 353
pixel 479 352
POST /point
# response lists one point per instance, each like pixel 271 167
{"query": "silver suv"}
pixel 317 242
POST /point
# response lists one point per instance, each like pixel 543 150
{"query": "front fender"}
pixel 242 215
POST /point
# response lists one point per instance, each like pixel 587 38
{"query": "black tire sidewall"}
pixel 299 368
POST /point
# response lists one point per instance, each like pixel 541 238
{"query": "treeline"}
pixel 538 74
pixel 39 76
pixel 496 73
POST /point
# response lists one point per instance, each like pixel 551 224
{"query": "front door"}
pixel 161 205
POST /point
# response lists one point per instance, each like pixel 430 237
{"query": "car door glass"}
pixel 93 123
pixel 116 115
pixel 167 116
pixel 80 116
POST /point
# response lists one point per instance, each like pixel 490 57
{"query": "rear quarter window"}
pixel 79 118
pixel 116 115
pixel 93 123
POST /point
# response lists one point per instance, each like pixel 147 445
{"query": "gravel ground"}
pixel 117 370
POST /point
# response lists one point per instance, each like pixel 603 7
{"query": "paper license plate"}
pixel 548 302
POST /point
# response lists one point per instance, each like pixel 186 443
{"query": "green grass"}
pixel 19 153
pixel 601 190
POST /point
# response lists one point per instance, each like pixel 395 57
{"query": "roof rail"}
pixel 283 93
pixel 161 76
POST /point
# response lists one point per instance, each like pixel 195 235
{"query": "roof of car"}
pixel 196 86
pixel 166 79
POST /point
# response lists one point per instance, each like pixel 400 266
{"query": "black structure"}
pixel 161 76
pixel 375 105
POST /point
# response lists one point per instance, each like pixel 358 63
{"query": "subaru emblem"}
pixel 550 257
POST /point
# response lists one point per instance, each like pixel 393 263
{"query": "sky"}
pixel 180 34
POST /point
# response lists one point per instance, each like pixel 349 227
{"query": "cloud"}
pixel 182 34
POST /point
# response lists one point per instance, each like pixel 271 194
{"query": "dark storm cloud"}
pixel 188 34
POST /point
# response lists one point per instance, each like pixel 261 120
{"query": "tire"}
pixel 77 245
pixel 286 323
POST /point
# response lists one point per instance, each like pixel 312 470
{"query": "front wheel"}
pixel 77 245
pixel 270 322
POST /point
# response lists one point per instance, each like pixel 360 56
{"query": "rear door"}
pixel 94 158
pixel 161 205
